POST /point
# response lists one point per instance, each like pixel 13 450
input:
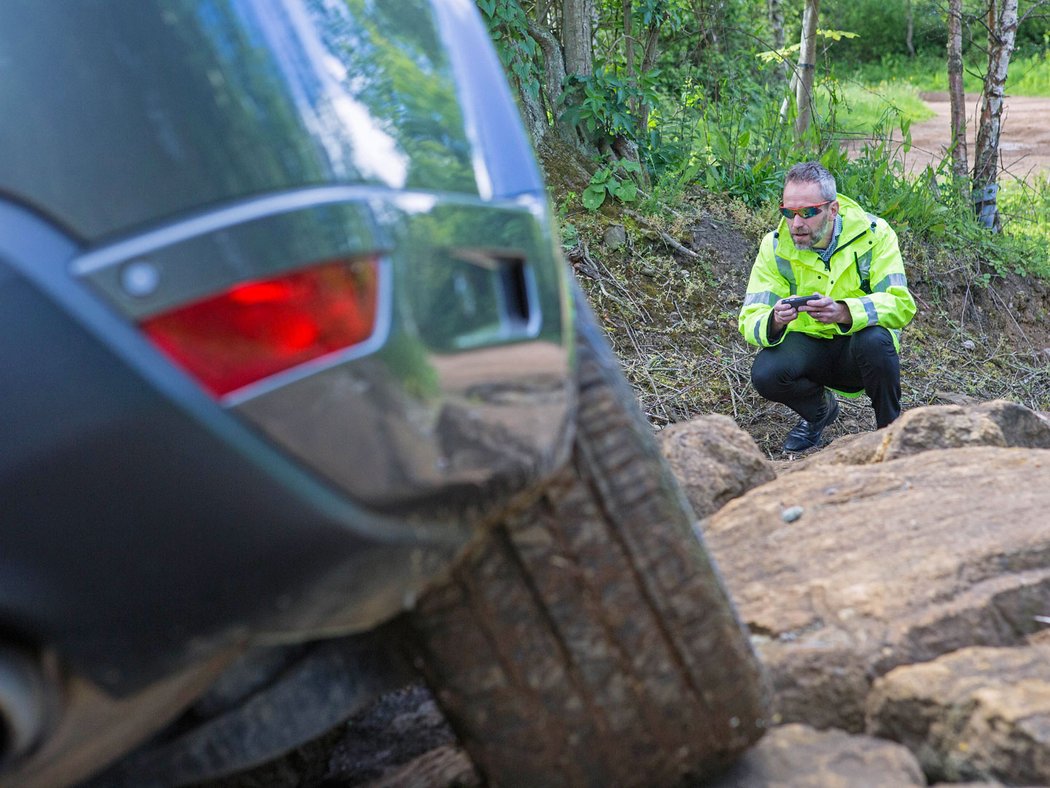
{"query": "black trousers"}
pixel 796 371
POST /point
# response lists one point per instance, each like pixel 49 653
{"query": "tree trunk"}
pixel 577 36
pixel 628 36
pixel 807 66
pixel 909 31
pixel 533 114
pixel 775 13
pixel 553 78
pixel 1002 33
pixel 648 63
pixel 956 93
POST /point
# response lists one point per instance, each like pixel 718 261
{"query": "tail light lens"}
pixel 259 328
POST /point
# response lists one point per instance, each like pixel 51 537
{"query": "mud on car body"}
pixel 296 383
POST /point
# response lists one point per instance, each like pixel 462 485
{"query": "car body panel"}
pixel 164 151
pixel 465 383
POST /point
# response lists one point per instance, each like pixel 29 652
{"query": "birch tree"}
pixel 1002 32
pixel 807 66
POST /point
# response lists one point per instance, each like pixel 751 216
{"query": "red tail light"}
pixel 259 328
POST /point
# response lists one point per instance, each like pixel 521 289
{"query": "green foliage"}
pixel 738 146
pixel 736 162
pixel 1025 209
pixel 603 102
pixel 610 181
pixel 1030 76
pixel 517 50
pixel 882 27
pixel 790 53
pixel 926 72
pixel 723 134
pixel 933 206
pixel 877 178
pixel 712 105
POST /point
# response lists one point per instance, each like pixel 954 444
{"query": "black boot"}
pixel 807 434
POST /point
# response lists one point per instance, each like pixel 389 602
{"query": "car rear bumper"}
pixel 148 523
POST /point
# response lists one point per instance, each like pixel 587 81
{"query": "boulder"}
pixel 996 423
pixel 615 236
pixel 953 398
pixel 714 460
pixel 978 713
pixel 802 757
pixel 845 572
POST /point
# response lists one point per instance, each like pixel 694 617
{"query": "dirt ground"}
pixel 1025 145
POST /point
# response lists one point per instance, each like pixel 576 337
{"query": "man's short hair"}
pixel 813 172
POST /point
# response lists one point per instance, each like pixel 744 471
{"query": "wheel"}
pixel 589 640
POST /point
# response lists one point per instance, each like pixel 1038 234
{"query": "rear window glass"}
pixel 127 111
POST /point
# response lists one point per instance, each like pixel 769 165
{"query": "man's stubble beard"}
pixel 822 233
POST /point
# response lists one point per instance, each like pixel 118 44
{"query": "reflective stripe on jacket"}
pixel 865 272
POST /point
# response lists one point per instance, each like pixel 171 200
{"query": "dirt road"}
pixel 1024 149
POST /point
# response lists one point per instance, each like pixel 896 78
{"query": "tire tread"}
pixel 589 640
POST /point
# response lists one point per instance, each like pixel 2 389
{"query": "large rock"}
pixel 801 757
pixel 845 572
pixel 978 713
pixel 996 423
pixel 714 460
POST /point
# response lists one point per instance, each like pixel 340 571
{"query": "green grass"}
pixel 860 108
pixel 1029 75
pixel 1026 214
pixel 924 73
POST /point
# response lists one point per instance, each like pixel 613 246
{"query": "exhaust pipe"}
pixel 23 703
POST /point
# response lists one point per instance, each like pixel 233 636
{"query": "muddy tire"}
pixel 590 641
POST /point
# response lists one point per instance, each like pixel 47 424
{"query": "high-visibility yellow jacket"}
pixel 865 272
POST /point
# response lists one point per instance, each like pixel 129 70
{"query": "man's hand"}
pixel 822 309
pixel 784 313
pixel 825 310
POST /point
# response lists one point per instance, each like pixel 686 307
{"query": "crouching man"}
pixel 846 336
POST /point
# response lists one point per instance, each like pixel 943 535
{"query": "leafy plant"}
pixel 602 102
pixel 607 182
pixel 1026 212
pixel 788 53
